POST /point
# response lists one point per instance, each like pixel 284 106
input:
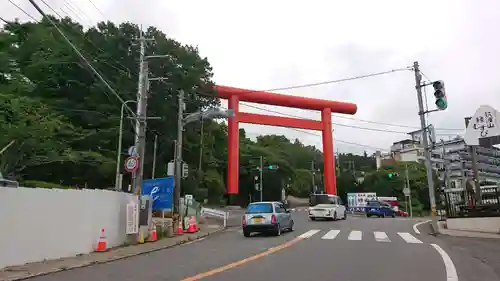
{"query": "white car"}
pixel 330 207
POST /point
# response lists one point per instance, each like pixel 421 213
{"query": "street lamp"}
pixel 213 113
pixel 119 150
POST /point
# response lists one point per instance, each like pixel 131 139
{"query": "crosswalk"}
pixel 356 235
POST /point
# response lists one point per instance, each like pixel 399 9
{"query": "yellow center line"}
pixel 242 261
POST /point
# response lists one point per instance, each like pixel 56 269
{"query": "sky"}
pixel 274 44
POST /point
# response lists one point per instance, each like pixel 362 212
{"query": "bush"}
pixel 43 184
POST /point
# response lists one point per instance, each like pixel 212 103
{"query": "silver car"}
pixel 270 217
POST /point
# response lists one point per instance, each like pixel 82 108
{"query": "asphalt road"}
pixel 476 259
pixel 358 249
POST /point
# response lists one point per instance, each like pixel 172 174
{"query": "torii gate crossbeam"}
pixel 235 95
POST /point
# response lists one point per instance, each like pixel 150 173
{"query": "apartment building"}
pixel 455 151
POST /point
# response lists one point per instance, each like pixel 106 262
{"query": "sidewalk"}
pixel 462 233
pixel 51 266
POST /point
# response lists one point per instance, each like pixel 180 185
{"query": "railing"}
pixel 459 204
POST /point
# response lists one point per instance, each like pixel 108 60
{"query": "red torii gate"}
pixel 235 95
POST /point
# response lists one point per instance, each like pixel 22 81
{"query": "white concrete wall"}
pixel 489 225
pixel 38 224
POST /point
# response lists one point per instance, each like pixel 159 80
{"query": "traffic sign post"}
pixel 131 164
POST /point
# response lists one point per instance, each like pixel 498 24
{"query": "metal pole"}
pixel 409 189
pixel 421 113
pixel 119 149
pixel 7 146
pixel 178 159
pixel 154 156
pixel 260 177
pixel 313 177
pixel 477 186
pixel 200 160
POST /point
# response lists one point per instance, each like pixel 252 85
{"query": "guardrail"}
pixel 215 213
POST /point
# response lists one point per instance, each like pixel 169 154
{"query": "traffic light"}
pixel 440 94
pixel 391 175
pixel 272 167
pixel 185 170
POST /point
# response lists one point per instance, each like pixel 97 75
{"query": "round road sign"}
pixel 131 164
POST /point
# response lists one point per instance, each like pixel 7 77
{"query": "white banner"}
pixel 132 218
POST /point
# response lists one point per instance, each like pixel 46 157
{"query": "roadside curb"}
pixel 90 263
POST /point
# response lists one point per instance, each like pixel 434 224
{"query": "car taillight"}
pixel 273 219
pixel 244 220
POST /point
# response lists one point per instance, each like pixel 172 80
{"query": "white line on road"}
pixel 451 271
pixel 409 238
pixel 417 224
pixel 309 233
pixel 381 236
pixel 355 235
pixel 331 234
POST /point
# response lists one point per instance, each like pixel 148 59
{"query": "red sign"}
pixel 131 164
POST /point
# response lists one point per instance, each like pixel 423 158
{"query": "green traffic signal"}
pixel 440 94
pixel 389 175
pixel 441 104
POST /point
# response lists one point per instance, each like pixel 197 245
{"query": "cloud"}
pixel 274 44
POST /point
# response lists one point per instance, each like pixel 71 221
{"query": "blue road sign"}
pixel 162 190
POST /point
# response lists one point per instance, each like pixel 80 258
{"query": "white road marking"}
pixel 409 238
pixel 381 236
pixel 330 235
pixel 417 224
pixel 355 235
pixel 451 271
pixel 309 233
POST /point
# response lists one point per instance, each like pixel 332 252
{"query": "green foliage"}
pixel 43 184
pixel 64 122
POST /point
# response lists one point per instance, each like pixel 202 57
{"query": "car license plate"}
pixel 257 220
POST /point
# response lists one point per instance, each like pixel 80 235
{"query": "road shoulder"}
pixel 52 266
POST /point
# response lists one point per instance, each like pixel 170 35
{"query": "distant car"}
pixel 379 209
pixel 267 217
pixel 326 206
pixel 395 207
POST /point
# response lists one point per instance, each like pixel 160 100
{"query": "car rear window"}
pixel 259 208
pixel 373 204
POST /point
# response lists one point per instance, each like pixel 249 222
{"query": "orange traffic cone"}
pixel 152 234
pixel 101 244
pixel 195 224
pixel 180 229
pixel 192 226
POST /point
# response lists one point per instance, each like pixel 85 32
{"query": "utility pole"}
pixel 140 125
pixel 260 177
pixel 154 156
pixel 178 158
pixel 421 113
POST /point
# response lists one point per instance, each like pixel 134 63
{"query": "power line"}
pixel 336 124
pixel 22 10
pixel 80 54
pixel 95 6
pixel 335 139
pixel 391 124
